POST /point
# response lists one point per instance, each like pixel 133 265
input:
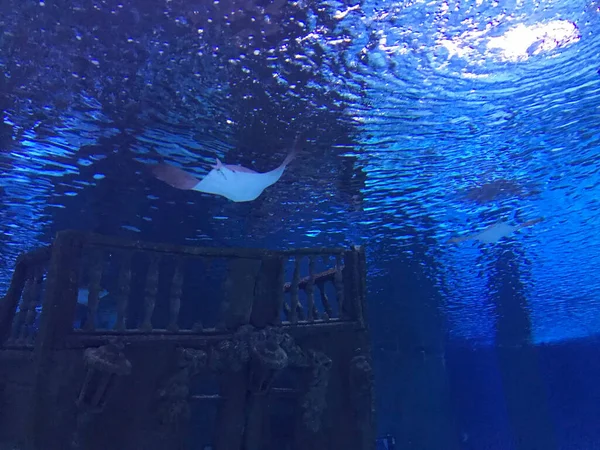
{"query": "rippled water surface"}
pixel 421 122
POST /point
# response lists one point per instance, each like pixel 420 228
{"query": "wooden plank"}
pixel 9 303
pixel 231 415
pixel 349 283
pixel 233 384
pixel 123 289
pixel 175 296
pixel 56 322
pixel 310 291
pixel 61 291
pixel 361 273
pixel 31 297
pixel 316 330
pixel 267 293
pixel 257 410
pixel 93 239
pixel 151 289
pixel 321 277
pixel 238 291
pixel 294 298
pixel 95 276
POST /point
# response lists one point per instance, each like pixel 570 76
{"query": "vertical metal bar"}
pixel 175 297
pixel 151 290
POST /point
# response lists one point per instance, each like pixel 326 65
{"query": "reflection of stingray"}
pixel 495 232
pixel 498 189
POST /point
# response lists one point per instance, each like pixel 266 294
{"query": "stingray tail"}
pixel 530 223
pixel 292 154
pixel 456 240
pixel 174 176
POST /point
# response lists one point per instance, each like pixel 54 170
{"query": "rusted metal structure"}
pixel 206 348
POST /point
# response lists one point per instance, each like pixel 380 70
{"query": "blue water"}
pixel 421 122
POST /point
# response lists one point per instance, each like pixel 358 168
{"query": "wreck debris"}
pixel 266 370
pixel 361 387
pixel 173 397
pixel 267 360
pixel 103 365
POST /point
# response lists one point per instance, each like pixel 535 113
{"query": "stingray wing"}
pixel 174 176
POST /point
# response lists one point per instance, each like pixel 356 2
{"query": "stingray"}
pixel 237 183
pixel 495 232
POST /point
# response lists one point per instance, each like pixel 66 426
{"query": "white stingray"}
pixel 495 232
pixel 237 183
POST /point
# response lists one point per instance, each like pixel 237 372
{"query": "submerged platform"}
pixel 126 345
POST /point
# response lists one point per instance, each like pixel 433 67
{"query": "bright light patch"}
pixel 521 42
pixel 517 44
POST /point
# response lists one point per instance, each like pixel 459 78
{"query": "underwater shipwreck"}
pixel 115 344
